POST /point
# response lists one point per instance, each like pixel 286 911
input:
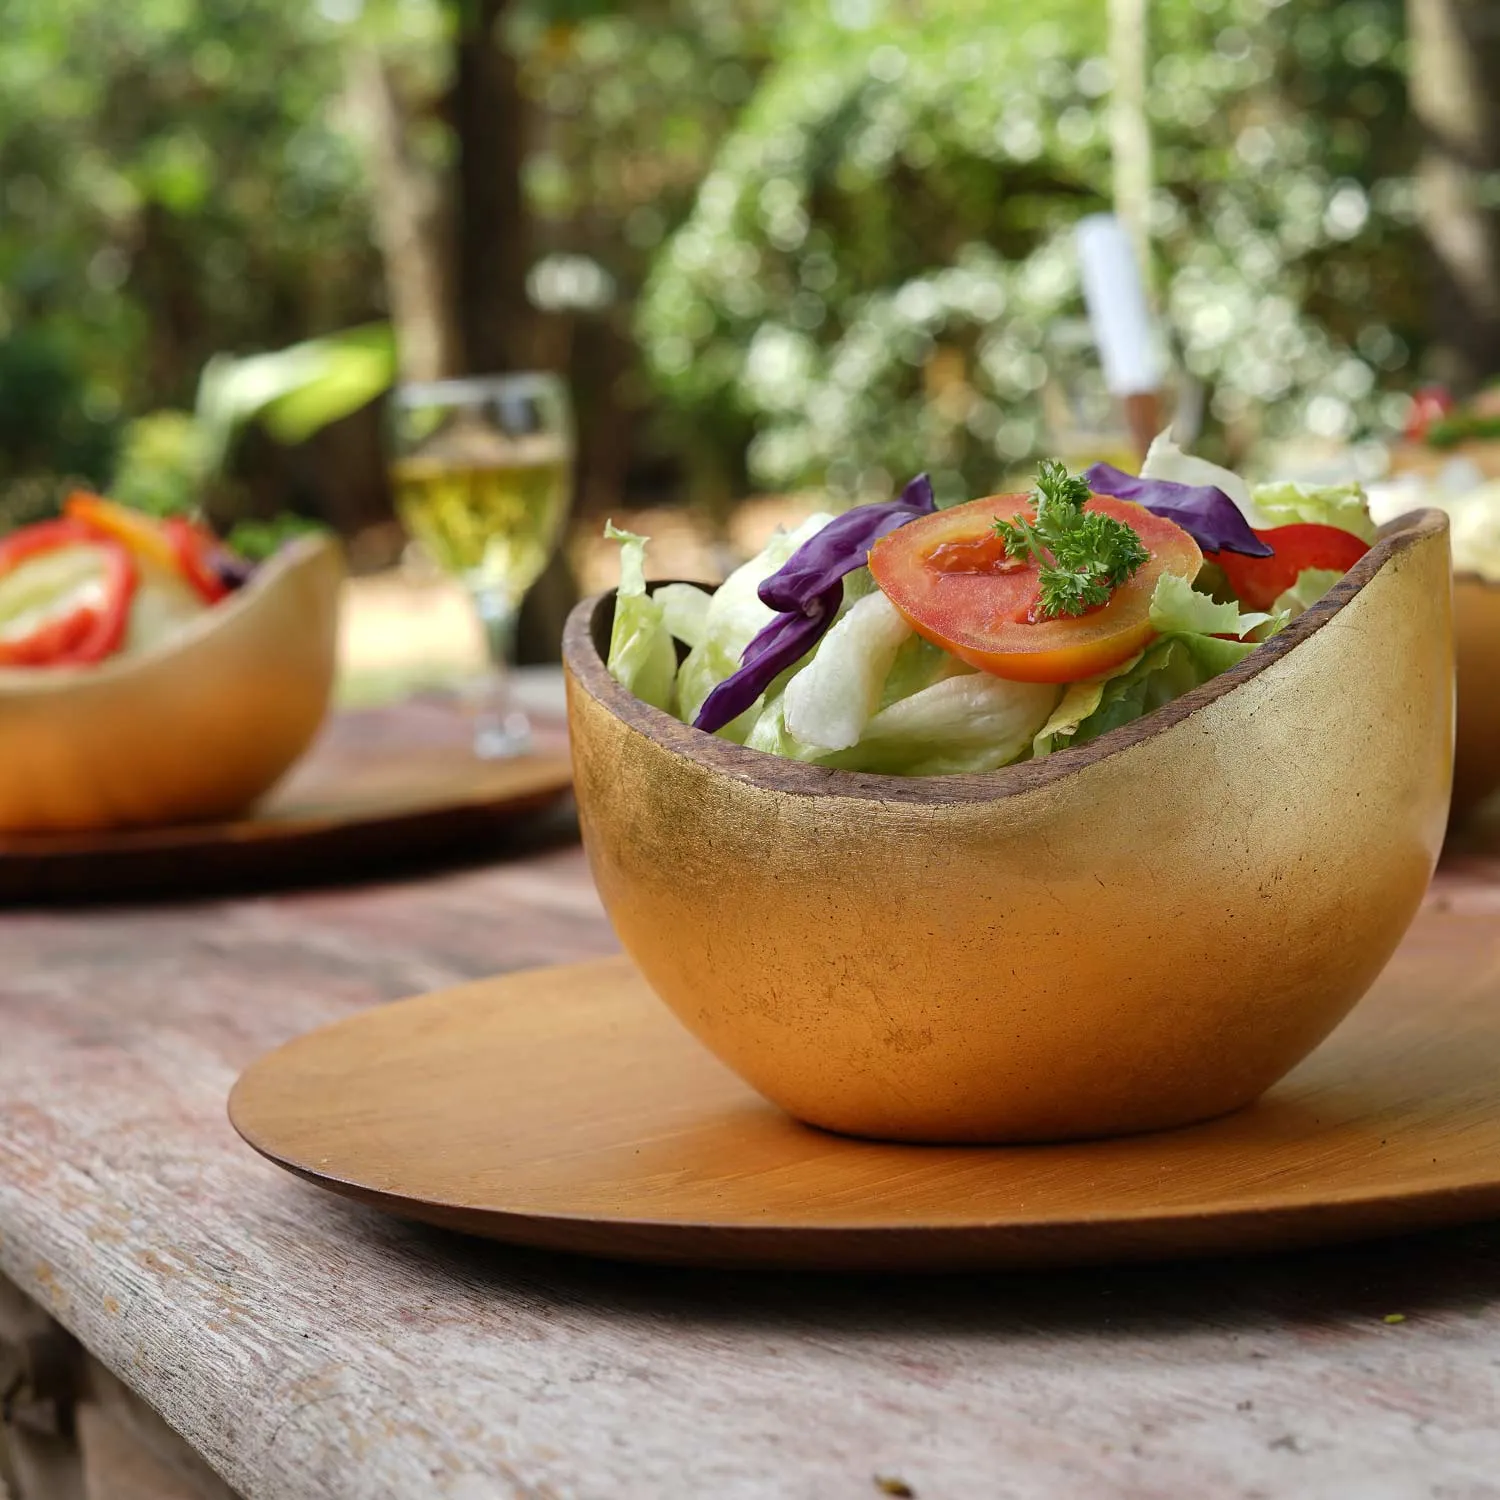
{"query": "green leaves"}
pixel 296 391
pixel 1082 557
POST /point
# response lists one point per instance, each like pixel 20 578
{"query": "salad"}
pixel 104 581
pixel 902 639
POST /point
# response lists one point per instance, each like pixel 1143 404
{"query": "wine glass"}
pixel 482 474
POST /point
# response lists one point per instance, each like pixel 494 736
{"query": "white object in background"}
pixel 1116 299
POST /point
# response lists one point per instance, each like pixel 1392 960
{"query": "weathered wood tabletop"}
pixel 308 1348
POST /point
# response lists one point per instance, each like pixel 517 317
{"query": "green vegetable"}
pixel 829 702
pixel 1461 427
pixel 1079 700
pixel 1082 556
pixel 735 615
pixel 257 540
pixel 642 658
pixel 1187 652
pixel 971 722
pixel 684 610
pixel 918 665
pixel 1311 585
pixel 1177 607
pixel 1345 506
pixel 1170 667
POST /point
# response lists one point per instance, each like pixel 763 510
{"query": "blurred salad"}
pixel 1471 501
pixel 904 639
pixel 104 580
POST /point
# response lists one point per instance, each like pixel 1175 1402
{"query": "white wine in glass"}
pixel 482 472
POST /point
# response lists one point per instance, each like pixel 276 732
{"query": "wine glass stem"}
pixel 501 727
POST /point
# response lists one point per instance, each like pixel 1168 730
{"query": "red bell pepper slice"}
pixel 84 635
pixel 1260 581
pixel 192 548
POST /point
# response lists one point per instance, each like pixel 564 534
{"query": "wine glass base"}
pixel 503 739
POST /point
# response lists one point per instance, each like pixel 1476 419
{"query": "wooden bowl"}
pixel 1476 650
pixel 1140 932
pixel 197 727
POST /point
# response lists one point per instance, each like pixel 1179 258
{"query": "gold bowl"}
pixel 1136 933
pixel 1476 649
pixel 196 727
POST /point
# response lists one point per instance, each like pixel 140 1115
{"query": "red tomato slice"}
pixel 949 575
pixel 192 547
pixel 1260 581
pixel 87 634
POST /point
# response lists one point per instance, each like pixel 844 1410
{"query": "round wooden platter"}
pixel 380 787
pixel 565 1108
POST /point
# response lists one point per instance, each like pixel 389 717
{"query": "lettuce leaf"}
pixel 684 609
pixel 734 616
pixel 1079 700
pixel 1188 651
pixel 1168 668
pixel 829 702
pixel 1345 506
pixel 1178 608
pixel 971 722
pixel 1311 585
pixel 642 658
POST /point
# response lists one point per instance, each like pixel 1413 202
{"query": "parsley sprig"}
pixel 1082 557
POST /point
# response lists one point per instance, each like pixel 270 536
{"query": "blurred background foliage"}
pixel 773 245
pixel 872 270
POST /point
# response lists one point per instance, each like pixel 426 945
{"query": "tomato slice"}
pixel 88 631
pixel 1260 581
pixel 193 547
pixel 950 576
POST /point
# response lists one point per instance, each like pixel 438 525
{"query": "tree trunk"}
pixel 493 253
pixel 1455 58
pixel 410 225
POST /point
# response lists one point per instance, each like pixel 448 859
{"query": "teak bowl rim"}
pixel 775 773
pixel 299 553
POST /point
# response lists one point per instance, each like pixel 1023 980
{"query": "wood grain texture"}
pixel 314 1350
pixel 563 1108
pixel 381 788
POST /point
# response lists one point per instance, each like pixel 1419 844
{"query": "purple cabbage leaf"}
pixel 1204 511
pixel 806 593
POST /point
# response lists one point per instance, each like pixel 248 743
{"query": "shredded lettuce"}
pixel 1345 506
pixel 1177 607
pixel 967 723
pixel 1311 585
pixel 829 702
pixel 1079 700
pixel 970 723
pixel 733 618
pixel 1188 651
pixel 1168 668
pixel 684 611
pixel 642 658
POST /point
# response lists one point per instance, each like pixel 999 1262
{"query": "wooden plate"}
pixel 565 1108
pixel 380 787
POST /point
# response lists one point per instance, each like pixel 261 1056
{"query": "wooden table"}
pixel 306 1348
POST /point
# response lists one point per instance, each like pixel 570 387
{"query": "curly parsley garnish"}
pixel 1082 557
